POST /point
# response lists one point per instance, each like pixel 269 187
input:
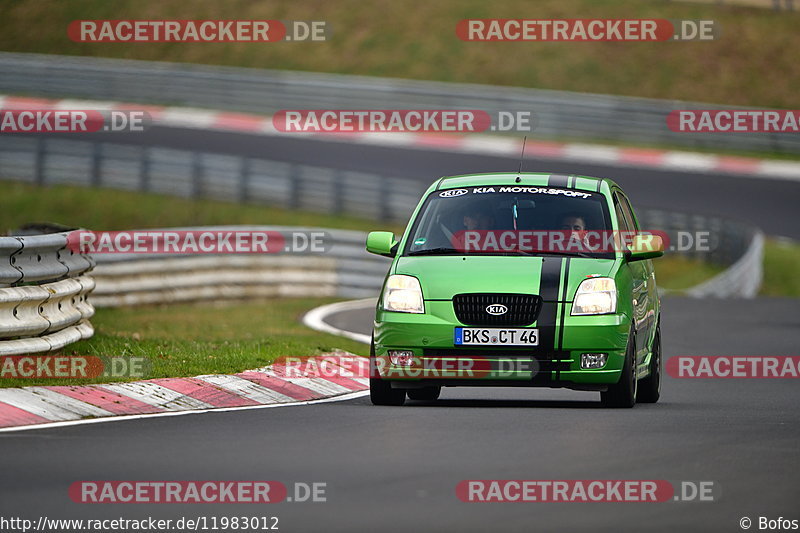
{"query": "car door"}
pixel 640 276
pixel 651 294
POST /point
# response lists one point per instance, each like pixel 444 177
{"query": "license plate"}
pixel 496 337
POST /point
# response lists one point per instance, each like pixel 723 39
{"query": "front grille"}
pixel 523 309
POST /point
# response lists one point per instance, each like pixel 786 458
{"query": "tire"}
pixel 428 394
pixel 650 387
pixel 623 393
pixel 381 391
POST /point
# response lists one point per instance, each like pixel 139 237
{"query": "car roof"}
pixel 529 179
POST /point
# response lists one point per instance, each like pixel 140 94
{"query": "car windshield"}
pixel 509 220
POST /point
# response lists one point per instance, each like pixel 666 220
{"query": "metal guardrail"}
pixel 742 279
pixel 206 175
pixel 344 270
pixel 39 258
pixel 562 115
pixel 43 294
pixel 776 5
pixel 735 245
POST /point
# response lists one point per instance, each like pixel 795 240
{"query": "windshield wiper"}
pixel 436 251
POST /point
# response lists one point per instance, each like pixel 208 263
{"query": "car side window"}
pixel 621 218
pixel 627 210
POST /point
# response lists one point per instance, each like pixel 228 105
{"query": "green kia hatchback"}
pixel 518 280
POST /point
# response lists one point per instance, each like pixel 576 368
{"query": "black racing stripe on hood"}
pixel 548 289
pixel 563 300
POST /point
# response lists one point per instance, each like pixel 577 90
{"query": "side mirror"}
pixel 645 247
pixel 382 243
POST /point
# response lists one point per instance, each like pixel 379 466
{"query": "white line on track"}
pixel 315 319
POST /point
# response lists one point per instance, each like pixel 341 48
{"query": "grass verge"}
pixel 677 273
pixel 189 340
pixel 107 209
pixel 781 267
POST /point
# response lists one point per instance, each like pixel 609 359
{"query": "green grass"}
pixel 107 209
pixel 750 64
pixel 190 340
pixel 781 269
pixel 677 273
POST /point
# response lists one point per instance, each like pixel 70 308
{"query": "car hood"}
pixel 442 277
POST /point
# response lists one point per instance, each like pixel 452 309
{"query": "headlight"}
pixel 403 294
pixel 595 296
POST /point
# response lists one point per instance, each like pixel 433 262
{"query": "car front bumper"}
pixel 555 362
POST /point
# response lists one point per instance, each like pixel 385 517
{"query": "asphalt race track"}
pixel 396 469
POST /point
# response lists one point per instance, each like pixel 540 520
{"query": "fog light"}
pixel 401 357
pixel 593 360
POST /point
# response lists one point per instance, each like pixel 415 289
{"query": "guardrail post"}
pixel 97 154
pixel 383 199
pixel 294 186
pixel 144 170
pixel 40 161
pixel 196 174
pixel 338 192
pixel 244 179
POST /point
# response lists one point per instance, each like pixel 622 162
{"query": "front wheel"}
pixel 623 393
pixel 428 394
pixel 650 387
pixel 381 391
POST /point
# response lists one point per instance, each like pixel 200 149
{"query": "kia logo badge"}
pixel 453 192
pixel 496 309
